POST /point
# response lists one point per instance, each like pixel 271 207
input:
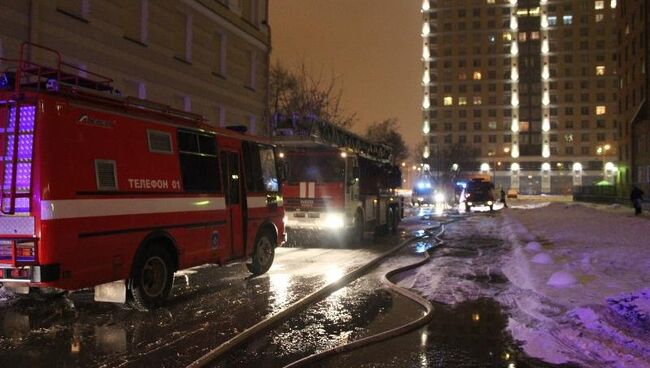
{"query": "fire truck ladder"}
pixel 30 75
pixel 305 131
pixel 18 141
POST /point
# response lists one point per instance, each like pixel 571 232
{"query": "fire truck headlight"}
pixel 334 220
pixel 439 197
pixel 489 203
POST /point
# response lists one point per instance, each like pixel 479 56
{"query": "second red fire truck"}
pixel 336 181
pixel 117 193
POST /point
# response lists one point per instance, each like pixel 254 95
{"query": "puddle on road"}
pixel 469 334
pixel 336 320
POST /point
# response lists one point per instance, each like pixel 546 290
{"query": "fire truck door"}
pixel 232 186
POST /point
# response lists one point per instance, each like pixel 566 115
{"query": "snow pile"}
pixel 589 263
pixel 573 278
pixel 561 278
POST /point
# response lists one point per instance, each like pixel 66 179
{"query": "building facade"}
pixel 206 57
pixel 529 87
pixel 633 31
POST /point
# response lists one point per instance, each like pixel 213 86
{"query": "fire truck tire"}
pixel 151 280
pixel 263 254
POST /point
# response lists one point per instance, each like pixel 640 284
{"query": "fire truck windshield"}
pixel 319 168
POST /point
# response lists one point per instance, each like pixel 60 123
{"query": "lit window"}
pixel 522 37
pixel 601 110
pixel 552 20
pixel 490 1
pixel 524 126
pixel 462 100
pixel 534 35
pixel 612 4
pixel 599 4
pixel 600 70
pixel 507 36
pixel 567 19
pixel 448 100
pixel 477 100
pixel 599 18
pixel 477 76
pixel 568 137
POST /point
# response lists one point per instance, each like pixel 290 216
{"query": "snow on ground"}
pixel 576 278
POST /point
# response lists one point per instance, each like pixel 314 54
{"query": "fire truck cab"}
pixel 337 182
pixel 118 193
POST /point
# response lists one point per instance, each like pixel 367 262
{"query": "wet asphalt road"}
pixel 211 304
pixel 469 334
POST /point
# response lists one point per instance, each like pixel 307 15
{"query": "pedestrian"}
pixel 503 198
pixel 636 196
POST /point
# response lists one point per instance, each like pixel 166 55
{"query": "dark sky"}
pixel 373 47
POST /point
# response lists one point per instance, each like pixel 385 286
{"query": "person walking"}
pixel 503 198
pixel 636 196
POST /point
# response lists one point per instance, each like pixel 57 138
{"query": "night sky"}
pixel 373 47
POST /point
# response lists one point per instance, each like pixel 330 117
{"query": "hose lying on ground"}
pixel 299 305
pixel 386 335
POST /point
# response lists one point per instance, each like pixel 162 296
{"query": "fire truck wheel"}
pixel 151 280
pixel 263 254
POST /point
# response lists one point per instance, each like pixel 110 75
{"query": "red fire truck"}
pixel 117 193
pixel 336 181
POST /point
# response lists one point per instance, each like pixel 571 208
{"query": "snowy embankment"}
pixel 574 278
pixel 594 265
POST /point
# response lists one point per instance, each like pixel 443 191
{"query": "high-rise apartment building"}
pixel 527 86
pixel 204 57
pixel 633 32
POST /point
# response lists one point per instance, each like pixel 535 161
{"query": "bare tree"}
pixel 303 94
pixel 386 131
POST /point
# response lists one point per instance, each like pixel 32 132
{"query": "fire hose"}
pixel 324 292
pixel 386 335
